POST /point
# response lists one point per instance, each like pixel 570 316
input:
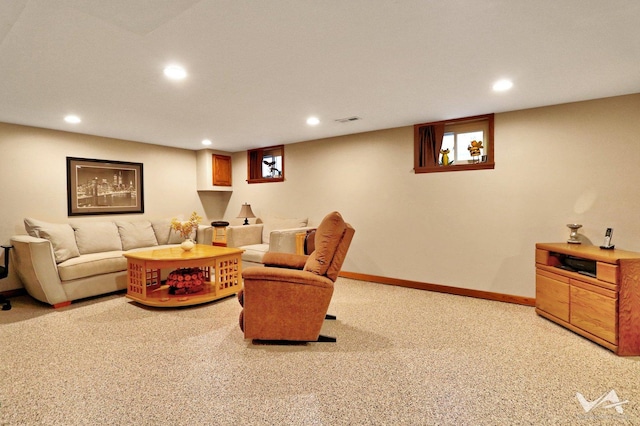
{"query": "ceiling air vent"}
pixel 348 119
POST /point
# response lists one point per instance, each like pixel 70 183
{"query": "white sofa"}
pixel 272 234
pixel 58 263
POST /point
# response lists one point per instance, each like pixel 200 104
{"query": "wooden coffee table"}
pixel 221 267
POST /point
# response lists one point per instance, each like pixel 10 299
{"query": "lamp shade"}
pixel 246 212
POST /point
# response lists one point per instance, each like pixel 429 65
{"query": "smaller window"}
pixel 265 164
pixel 454 145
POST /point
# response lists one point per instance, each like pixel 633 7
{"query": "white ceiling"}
pixel 258 69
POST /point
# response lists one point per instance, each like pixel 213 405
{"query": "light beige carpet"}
pixel 403 356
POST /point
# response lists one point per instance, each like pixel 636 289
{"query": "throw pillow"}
pixel 136 234
pixel 277 223
pixel 60 235
pixel 328 236
pixel 97 237
pixel 31 226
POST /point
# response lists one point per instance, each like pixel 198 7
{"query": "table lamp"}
pixel 246 212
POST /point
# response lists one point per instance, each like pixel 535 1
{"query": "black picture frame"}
pixel 100 187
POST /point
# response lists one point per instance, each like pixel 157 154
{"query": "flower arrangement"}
pixel 185 281
pixel 186 228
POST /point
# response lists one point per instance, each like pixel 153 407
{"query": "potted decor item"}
pixel 185 229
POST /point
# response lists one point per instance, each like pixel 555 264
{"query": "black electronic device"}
pixel 580 265
pixel 607 240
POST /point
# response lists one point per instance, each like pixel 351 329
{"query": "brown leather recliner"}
pixel 287 300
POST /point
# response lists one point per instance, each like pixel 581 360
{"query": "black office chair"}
pixel 4 272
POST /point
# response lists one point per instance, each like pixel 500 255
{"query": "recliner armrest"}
pixel 284 260
pixel 291 276
pixel 284 304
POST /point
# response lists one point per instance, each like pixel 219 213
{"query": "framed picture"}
pixel 103 187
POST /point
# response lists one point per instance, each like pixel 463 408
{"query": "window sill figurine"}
pixel 445 157
pixel 474 150
pixel 272 169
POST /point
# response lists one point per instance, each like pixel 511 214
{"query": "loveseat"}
pixel 270 234
pixel 58 263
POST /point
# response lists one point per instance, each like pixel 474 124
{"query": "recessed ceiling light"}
pixel 502 85
pixel 206 142
pixel 313 121
pixel 175 72
pixel 73 119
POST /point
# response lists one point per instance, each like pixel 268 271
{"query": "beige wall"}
pixel 33 180
pixel 477 229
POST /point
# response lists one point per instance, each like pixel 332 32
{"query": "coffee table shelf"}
pixel 222 267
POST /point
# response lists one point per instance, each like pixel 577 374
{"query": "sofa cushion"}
pixel 254 252
pixel 96 237
pixel 60 235
pixel 165 234
pixel 276 223
pixel 328 235
pixel 92 264
pixel 136 234
pixel 162 229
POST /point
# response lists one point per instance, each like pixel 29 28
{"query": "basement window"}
pixel 454 145
pixel 265 164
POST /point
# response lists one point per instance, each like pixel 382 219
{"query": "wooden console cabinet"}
pixel 604 308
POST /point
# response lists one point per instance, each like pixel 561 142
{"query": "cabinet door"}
pixel 552 294
pixel 594 312
pixel 221 170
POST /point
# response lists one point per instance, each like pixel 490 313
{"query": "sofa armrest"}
pixel 204 234
pixel 35 266
pixel 244 235
pixel 284 240
pixel 284 260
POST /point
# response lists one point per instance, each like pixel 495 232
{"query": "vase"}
pixel 573 236
pixel 187 244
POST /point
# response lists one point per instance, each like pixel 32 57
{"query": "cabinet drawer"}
pixel 607 272
pixel 552 294
pixel 542 256
pixel 594 313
